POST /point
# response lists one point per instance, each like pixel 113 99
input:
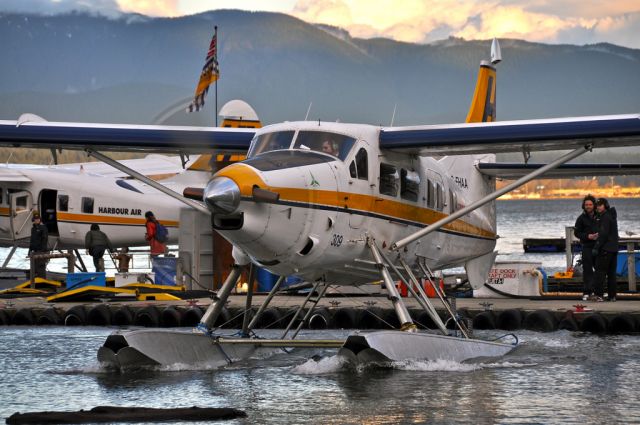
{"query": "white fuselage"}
pixel 328 204
pixel 70 198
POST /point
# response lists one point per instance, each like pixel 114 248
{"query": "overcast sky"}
pixel 421 21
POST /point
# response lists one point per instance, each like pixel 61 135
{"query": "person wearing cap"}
pixel 605 250
pixel 39 244
pixel 157 247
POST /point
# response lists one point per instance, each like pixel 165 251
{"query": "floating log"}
pixel 115 414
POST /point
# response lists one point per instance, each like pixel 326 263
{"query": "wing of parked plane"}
pixel 512 171
pixel 125 137
pixel 514 136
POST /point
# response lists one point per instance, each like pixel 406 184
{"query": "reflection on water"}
pixel 551 378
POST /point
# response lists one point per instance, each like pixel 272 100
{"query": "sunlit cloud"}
pixel 151 7
pixel 419 21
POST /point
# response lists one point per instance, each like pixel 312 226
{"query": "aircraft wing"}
pixel 124 137
pixel 514 136
pixel 10 175
pixel 512 171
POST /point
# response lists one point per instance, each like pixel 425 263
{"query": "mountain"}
pixel 78 67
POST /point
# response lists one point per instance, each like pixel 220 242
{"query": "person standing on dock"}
pixel 606 250
pixel 96 243
pixel 586 229
pixel 39 244
pixel 153 235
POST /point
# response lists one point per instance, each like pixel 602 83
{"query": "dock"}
pixel 335 312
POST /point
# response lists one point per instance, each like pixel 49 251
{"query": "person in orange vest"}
pixel 157 247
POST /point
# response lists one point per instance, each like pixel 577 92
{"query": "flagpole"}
pixel 216 59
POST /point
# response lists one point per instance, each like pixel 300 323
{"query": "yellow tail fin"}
pixel 483 105
pixel 236 114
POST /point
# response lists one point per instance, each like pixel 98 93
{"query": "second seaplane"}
pixel 346 204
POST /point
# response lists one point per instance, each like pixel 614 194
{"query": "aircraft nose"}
pixel 222 195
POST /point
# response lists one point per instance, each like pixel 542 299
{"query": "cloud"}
pixel 549 21
pixel 151 7
pixel 47 7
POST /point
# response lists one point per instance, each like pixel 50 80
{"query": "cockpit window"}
pixel 270 142
pixel 282 159
pixel 334 144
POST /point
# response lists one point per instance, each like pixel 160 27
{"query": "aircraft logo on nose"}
pixel 314 182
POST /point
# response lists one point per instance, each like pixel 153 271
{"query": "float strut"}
pixel 211 315
pixel 406 323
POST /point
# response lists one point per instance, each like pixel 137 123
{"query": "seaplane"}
pixel 345 204
pixel 71 197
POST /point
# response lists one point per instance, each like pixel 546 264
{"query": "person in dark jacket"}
pixel 39 244
pixel 97 242
pixel 605 250
pixel 586 229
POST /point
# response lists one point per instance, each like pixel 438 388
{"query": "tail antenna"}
pixel 496 53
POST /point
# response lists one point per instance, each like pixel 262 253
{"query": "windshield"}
pixel 334 144
pixel 270 142
pixel 286 159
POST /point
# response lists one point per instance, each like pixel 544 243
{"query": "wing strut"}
pixel 146 180
pixel 490 197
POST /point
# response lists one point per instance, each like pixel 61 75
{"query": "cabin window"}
pixel 1 191
pixel 63 202
pixel 388 180
pixel 21 203
pixel 439 197
pixel 270 142
pixel 333 144
pixel 409 185
pixel 359 168
pixel 87 205
pixel 431 194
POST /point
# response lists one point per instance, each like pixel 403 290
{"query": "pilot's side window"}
pixel 87 205
pixel 409 185
pixel 388 180
pixel 359 168
pixel 63 202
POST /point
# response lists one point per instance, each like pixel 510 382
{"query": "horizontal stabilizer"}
pixel 604 131
pixel 125 137
pixel 516 170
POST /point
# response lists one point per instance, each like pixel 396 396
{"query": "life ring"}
pixel 24 316
pixel 123 316
pixel 148 317
pixel 623 324
pixel 541 321
pixel 484 320
pixel 192 316
pixel 320 319
pixel 509 320
pixel 171 317
pixel 346 318
pixel 49 316
pixel 76 316
pixel 595 323
pixel 100 315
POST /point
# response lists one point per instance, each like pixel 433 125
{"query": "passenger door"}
pixel 20 211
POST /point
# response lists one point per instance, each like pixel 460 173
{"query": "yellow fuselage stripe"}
pixel 245 177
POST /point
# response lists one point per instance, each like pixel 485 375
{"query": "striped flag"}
pixel 209 75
